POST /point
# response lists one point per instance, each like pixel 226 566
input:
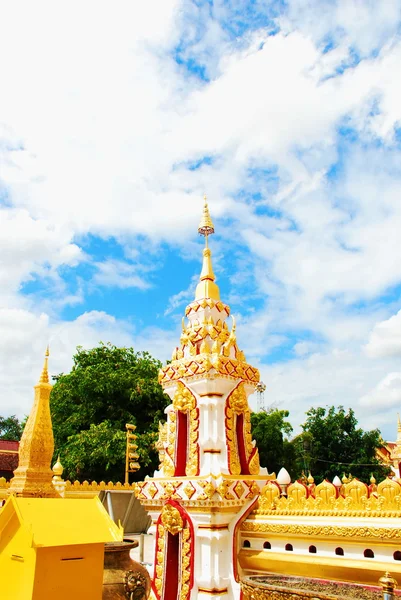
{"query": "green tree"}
pixel 106 388
pixel 332 443
pixel 10 428
pixel 270 431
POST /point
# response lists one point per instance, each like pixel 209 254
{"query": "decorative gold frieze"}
pixel 204 364
pixel 326 500
pixel 322 530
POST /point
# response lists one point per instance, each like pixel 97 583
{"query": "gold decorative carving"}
pixel 237 404
pixel 161 442
pixel 239 489
pixel 326 492
pixel 189 490
pixel 389 489
pixel 203 364
pixel 185 562
pixel 183 399
pixel 33 476
pixel 297 491
pixel 238 400
pixel 386 502
pixel 171 519
pixel 322 530
pixel 208 488
pixel 172 522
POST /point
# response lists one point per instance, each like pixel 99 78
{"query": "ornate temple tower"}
pixel 33 476
pixel 210 476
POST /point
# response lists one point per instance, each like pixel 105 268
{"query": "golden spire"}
pixel 207 288
pixel 206 226
pixel 398 423
pixel 44 378
pixel 33 476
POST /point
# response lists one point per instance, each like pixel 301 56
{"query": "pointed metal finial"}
pixel 44 378
pixel 207 287
pixel 206 226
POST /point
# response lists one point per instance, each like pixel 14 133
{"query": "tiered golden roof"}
pixel 207 345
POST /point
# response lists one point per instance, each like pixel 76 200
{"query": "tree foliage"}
pixel 332 443
pixel 11 428
pixel 106 388
pixel 270 431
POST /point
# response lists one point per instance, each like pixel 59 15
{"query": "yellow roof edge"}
pixel 12 505
pixel 118 529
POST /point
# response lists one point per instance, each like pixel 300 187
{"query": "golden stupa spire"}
pixel 44 378
pixel 206 288
pixel 33 476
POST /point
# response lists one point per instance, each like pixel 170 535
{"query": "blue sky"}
pixel 114 121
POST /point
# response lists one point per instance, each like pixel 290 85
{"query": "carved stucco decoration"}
pixel 237 404
pixel 171 522
pixel 322 530
pixel 171 519
pixel 208 348
pixel 325 500
pixel 183 401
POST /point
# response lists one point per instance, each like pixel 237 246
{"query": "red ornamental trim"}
pixel 237 453
pixel 187 524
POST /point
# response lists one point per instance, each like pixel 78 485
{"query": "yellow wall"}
pixel 17 562
pixel 69 579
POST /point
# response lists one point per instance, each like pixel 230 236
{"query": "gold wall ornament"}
pixel 176 525
pixel 238 400
pixel 200 364
pixel 375 533
pixel 390 489
pixel 171 519
pixel 326 492
pixel 357 501
pixel 161 442
pixel 268 496
pixel 33 476
pixel 238 415
pixel 357 490
pixel 183 399
pixel 297 491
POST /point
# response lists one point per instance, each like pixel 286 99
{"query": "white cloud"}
pixel 335 378
pixel 385 339
pixel 386 394
pixel 119 274
pixel 101 125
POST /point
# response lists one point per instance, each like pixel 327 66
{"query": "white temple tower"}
pixel 210 474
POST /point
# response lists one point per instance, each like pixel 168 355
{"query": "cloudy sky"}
pixel 115 118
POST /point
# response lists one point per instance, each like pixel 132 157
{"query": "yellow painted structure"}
pixel 53 548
